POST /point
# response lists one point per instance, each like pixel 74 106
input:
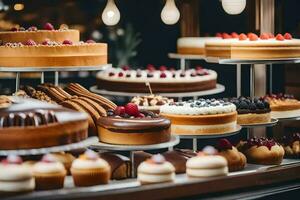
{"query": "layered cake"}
pixel 49 48
pixel 128 125
pixel 252 110
pixel 252 46
pixel 31 124
pixel 201 117
pixel 283 106
pixel 193 45
pixel 161 80
pixel 151 102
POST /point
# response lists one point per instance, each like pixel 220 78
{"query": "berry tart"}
pixel 262 151
pixel 283 106
pixel 291 145
pixel 162 80
pixel 151 102
pixel 252 111
pixel 201 117
pixel 50 48
pixel 128 125
pixel 236 160
pixel 252 46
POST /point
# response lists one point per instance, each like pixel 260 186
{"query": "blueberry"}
pixel 260 105
pixel 252 106
pixel 243 105
pixel 267 105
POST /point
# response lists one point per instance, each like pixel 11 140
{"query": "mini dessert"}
pixel 155 170
pixel 151 102
pixel 291 145
pixel 207 164
pixel 128 125
pixel 252 111
pixel 193 45
pixel 65 158
pixel 262 151
pixel 178 158
pixel 235 159
pixel 162 80
pixel 253 47
pixel 14 176
pixel 139 157
pixel 200 117
pixel 89 170
pixel 283 106
pixel 119 164
pixel 49 174
pixel 32 124
pixel 5 102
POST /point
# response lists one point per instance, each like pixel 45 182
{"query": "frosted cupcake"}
pixel 65 158
pixel 90 170
pixel 155 170
pixel 49 173
pixel 15 176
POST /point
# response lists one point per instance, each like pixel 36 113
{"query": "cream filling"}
pixel 90 164
pixel 206 162
pixel 285 114
pixel 149 168
pixel 195 42
pixel 155 178
pixel 17 186
pixel 194 129
pixel 13 172
pixel 207 172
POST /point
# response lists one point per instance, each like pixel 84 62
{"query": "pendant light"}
pixel 233 7
pixel 111 13
pixel 170 13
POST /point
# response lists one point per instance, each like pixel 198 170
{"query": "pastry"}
pixel 291 145
pixel 178 158
pixel 155 170
pixel 283 106
pixel 23 122
pixel 5 102
pixel 200 117
pixel 193 45
pixel 49 174
pixel 252 111
pixel 128 125
pixel 207 164
pixel 139 157
pixel 235 159
pixel 262 151
pixel 65 158
pixel 89 169
pixel 162 80
pixel 14 176
pixel 151 102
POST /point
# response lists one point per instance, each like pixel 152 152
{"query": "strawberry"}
pixel 120 110
pixel 288 36
pixel 253 37
pixel 226 36
pixel 224 144
pixel 67 42
pixel 219 35
pixel 30 43
pixel 48 27
pixel 234 35
pixel 271 35
pixel 248 34
pixel 140 115
pixel 163 75
pixel 132 109
pixel 162 68
pixel 243 36
pixel 264 36
pixel 279 37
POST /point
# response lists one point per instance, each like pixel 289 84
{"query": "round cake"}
pixel 193 45
pixel 129 126
pixel 201 117
pixel 161 80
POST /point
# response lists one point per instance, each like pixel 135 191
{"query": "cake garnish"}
pixel 12 159
pixel 226 36
pixel 271 35
pixel 279 37
pixel 209 150
pixel 46 42
pixel 120 110
pixel 253 37
pixel 120 74
pixel 67 42
pixel 48 158
pixel 157 159
pixel 219 35
pixel 132 109
pixel 288 36
pixel 269 143
pixel 224 144
pixel 90 155
pixel 163 75
pixel 234 35
pixel 243 36
pixel 111 74
pixel 32 28
pixel 30 43
pixel 150 67
pixel 48 27
pixel 289 140
pixel 264 36
pixel 14 29
pixel 162 68
pixel 90 41
pixel 250 105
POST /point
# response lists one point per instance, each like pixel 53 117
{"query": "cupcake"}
pixel 65 158
pixel 155 170
pixel 15 177
pixel 49 174
pixel 89 169
pixel 236 160
pixel 151 102
pixel 207 164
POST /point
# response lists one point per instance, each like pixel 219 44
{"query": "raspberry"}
pixel 288 36
pixel 219 35
pixel 125 68
pixel 224 144
pixel 90 41
pixel 120 110
pixel 67 42
pixel 279 37
pixel 48 27
pixel 30 43
pixel 243 36
pixel 46 42
pixel 141 115
pixel 234 35
pixel 163 75
pixel 226 36
pixel 150 67
pixel 32 28
pixel 162 68
pixel 132 109
pixel 120 74
pixel 253 37
pixel 264 36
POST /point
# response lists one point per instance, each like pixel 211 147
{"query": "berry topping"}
pixel 13 159
pixel 264 36
pixel 271 35
pixel 120 74
pixel 163 75
pixel 141 115
pixel 111 74
pixel 224 144
pixel 157 159
pixel 193 74
pixel 205 73
pixel 243 36
pixel 32 28
pixel 150 67
pixel 288 36
pixel 67 42
pixel 269 143
pixel 234 35
pixel 162 68
pixel 91 155
pixel 46 42
pixel 48 26
pixel 14 29
pixel 248 34
pixel 219 35
pixel 279 37
pixel 226 36
pixel 132 109
pixel 253 37
pixel 22 29
pixel 209 150
pixel 90 41
pixel 120 110
pixel 199 68
pixel 48 158
pixel 30 43
pixel 126 68
pixel 172 69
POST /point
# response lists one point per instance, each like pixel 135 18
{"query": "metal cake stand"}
pixel 132 148
pixel 289 119
pixel 273 122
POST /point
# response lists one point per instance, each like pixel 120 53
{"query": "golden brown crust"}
pixel 191 50
pixel 90 177
pixel 253 118
pixel 236 160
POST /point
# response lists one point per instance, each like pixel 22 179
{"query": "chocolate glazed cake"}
pixel 30 123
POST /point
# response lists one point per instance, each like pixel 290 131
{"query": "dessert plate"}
pixel 273 122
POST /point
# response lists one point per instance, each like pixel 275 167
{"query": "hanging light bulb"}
pixel 3 7
pixel 111 14
pixel 234 7
pixel 170 13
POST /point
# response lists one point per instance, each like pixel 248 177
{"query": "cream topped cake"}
pixel 151 102
pixel 193 45
pixel 200 117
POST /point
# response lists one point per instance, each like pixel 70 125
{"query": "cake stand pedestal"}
pixel 132 148
pixel 40 151
pixel 195 138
